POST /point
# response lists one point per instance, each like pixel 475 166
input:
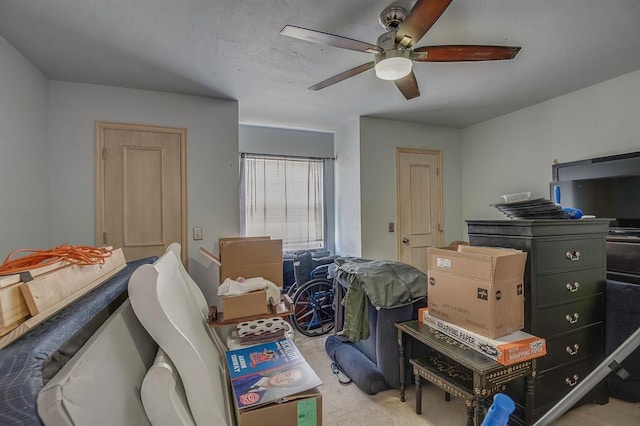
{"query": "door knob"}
pixel 405 240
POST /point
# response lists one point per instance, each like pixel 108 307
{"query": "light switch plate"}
pixel 197 233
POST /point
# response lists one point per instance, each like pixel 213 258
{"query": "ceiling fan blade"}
pixel 342 76
pixel 329 39
pixel 408 86
pixel 453 53
pixel 421 17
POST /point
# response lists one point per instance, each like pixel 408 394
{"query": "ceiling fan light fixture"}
pixel 393 64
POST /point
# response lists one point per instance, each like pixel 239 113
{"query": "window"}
pixel 283 197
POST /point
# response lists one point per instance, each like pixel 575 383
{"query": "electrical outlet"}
pixel 197 233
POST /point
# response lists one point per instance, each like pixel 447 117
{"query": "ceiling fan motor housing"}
pixel 392 17
pixel 387 41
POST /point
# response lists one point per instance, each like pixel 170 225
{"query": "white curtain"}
pixel 283 197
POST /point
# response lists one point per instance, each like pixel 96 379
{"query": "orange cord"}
pixel 76 255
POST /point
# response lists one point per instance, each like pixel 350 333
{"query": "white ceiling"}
pixel 233 49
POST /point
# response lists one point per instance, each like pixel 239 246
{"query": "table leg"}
pixel 528 400
pixel 401 365
pixel 479 409
pixel 470 410
pixel 418 395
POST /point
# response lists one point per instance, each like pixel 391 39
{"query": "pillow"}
pixel 354 364
pixel 163 394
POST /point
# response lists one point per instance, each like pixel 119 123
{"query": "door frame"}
pixel 100 216
pixel 440 229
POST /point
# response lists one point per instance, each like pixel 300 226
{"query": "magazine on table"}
pixel 268 372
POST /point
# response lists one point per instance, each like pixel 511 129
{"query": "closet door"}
pixel 141 189
pixel 419 204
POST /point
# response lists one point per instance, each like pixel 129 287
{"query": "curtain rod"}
pixel 302 157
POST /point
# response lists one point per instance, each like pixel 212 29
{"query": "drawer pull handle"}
pixel 573 255
pixel 572 318
pixel 571 382
pixel 572 351
pixel 573 287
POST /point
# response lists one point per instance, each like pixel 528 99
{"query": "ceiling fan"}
pixel 393 52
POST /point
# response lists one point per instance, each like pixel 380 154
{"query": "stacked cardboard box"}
pixel 245 305
pixel 478 288
pixel 303 408
pixel 249 257
pixel 299 403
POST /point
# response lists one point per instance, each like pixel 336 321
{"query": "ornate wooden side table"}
pixel 460 371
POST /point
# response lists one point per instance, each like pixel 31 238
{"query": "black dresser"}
pixel 564 300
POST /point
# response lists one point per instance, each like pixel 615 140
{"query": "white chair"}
pixel 170 307
pixel 191 284
pixel 162 394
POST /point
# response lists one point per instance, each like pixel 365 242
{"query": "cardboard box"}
pixel 510 349
pixel 304 408
pixel 251 257
pixel 480 289
pixel 298 402
pixel 245 305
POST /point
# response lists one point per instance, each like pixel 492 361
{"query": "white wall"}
pixel 212 161
pixel 301 143
pixel 347 190
pixel 515 152
pixel 378 141
pixel 24 208
pixel 277 141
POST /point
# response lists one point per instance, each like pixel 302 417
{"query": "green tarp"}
pixel 385 283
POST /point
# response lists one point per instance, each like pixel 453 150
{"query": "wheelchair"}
pixel 312 293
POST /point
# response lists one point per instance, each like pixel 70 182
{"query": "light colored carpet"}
pixel 347 405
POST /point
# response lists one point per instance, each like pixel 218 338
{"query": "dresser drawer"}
pixel 565 255
pixel 571 348
pixel 566 318
pixel 568 286
pixel 558 383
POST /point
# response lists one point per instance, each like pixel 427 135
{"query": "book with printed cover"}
pixel 268 372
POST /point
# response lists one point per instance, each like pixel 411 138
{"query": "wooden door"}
pixel 419 189
pixel 141 203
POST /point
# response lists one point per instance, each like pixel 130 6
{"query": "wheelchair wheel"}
pixel 313 308
pixel 320 273
pixel 291 291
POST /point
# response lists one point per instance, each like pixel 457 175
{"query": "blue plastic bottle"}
pixel 498 414
pixel 556 194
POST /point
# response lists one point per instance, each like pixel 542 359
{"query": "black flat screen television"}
pixel 606 187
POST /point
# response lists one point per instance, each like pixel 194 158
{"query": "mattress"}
pixel 100 385
pixel 27 363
